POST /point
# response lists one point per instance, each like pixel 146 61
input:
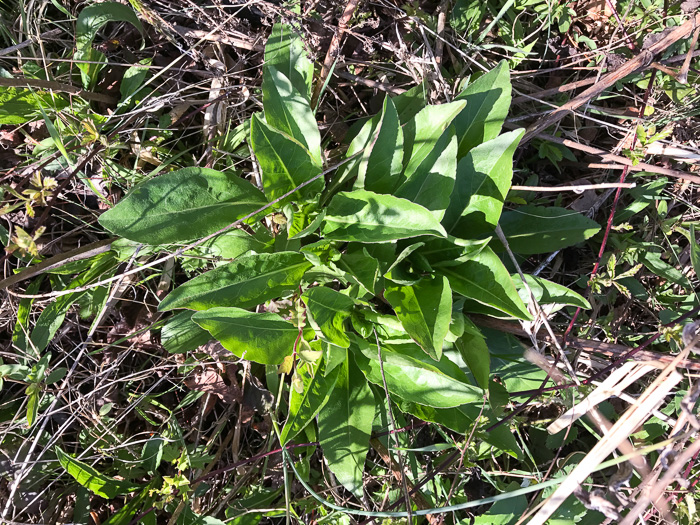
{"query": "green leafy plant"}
pixel 380 261
pixel 607 280
pixel 90 21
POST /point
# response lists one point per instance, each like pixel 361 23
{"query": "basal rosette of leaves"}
pixel 385 255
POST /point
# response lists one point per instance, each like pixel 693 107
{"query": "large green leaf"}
pixel 412 375
pixel 484 176
pixel 507 363
pixel 182 205
pixel 53 315
pixel 485 280
pixel 90 21
pixel 288 111
pixel 547 292
pixel 488 101
pixel 461 419
pixel 451 251
pixel 410 102
pixel 425 311
pixel 285 52
pixel 246 282
pixel 364 216
pixel 284 161
pixel 379 169
pixel 18 106
pixel 92 479
pixel 305 406
pixel 262 338
pixel 423 132
pixel 535 229
pixel 474 351
pixel 182 334
pixel 328 310
pixel 431 182
pixel 360 267
pixel 230 245
pixel 345 425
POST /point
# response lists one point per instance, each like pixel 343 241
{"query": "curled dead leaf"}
pixel 210 382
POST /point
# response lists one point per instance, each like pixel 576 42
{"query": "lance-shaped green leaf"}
pixel 412 375
pixel 483 179
pixel 422 133
pixel 461 419
pixel 182 334
pixel 360 146
pixel 246 282
pixel 365 216
pixel 18 106
pixel 90 21
pixel 305 406
pixel 379 169
pixel 285 52
pixel 432 181
pixel 451 251
pixel 345 425
pixel 92 479
pixel 52 316
pixel 488 101
pixel 232 245
pixel 360 267
pixel 694 250
pixel 152 453
pixel 536 229
pixel 262 338
pixel 182 205
pixel 328 310
pixel 472 347
pixel 304 221
pixel 133 80
pixel 547 292
pixel 284 161
pixel 410 102
pixel 288 111
pixel 485 280
pixel 425 311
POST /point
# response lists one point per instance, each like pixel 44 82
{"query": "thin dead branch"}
pixel 37 83
pixel 333 49
pixel 642 61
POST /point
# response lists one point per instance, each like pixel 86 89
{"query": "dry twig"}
pixel 641 61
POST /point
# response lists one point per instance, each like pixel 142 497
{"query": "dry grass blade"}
pixel 656 491
pixel 616 382
pixel 635 416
